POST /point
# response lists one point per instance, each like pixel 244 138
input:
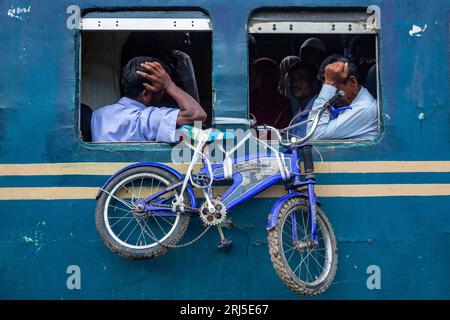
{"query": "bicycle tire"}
pixel 117 245
pixel 278 253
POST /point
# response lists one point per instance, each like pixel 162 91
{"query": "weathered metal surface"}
pixel 407 236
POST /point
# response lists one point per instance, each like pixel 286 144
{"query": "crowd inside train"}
pixel 281 93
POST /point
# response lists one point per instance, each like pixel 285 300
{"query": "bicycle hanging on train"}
pixel 144 209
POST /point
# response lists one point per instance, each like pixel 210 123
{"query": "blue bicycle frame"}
pixel 293 183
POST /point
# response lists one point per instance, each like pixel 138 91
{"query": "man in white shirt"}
pixel 135 117
pixel 358 123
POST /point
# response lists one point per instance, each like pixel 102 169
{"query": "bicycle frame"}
pixel 292 183
pixel 236 193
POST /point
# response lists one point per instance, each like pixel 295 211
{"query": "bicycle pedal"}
pixel 225 244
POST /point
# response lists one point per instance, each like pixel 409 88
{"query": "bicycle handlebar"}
pixel 315 122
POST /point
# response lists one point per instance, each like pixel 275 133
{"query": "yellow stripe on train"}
pixel 351 191
pixel 108 168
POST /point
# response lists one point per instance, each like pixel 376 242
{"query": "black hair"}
pixel 131 81
pixel 362 46
pixel 352 68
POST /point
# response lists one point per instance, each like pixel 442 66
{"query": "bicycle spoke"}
pixel 118 208
pixel 307 229
pixel 124 228
pixel 132 195
pixel 143 229
pixel 164 219
pixel 121 217
pixel 286 240
pixel 143 236
pixel 299 265
pixel 129 235
pixel 127 203
pixel 319 264
pixel 159 225
pixel 303 218
pixel 286 251
pixel 298 227
pixel 304 258
pixel 140 188
pixel 150 230
pixel 287 234
pixel 293 251
pixel 157 187
pixel 122 201
pixel 307 264
pixel 117 220
pixel 140 235
pixel 289 244
pixel 151 188
pixel 132 185
pixel 317 252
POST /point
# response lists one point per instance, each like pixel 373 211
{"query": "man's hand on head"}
pixel 159 78
pixel 336 73
pixel 190 110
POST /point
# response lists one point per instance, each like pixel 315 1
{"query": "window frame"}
pixel 131 20
pixel 354 25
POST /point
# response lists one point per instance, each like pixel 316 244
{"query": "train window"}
pixel 286 51
pixel 180 39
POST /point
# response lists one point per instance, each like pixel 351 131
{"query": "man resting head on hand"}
pixel 134 117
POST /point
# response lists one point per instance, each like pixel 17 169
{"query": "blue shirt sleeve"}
pixel 360 122
pixel 159 124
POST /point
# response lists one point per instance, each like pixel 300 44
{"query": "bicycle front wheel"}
pixel 304 269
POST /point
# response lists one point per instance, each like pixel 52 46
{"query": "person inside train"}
pixel 303 87
pixel 362 53
pixel 134 117
pixel 169 47
pixel 283 84
pixel 360 122
pixel 313 51
pixel 266 103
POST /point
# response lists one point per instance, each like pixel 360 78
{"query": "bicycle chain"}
pixel 174 245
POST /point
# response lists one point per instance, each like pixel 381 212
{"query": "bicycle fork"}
pixel 310 181
pixel 312 210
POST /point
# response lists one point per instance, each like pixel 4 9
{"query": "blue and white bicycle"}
pixel 144 210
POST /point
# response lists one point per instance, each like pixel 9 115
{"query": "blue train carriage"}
pixel 387 199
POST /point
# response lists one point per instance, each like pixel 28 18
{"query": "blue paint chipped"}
pixel 36 235
pixel 18 12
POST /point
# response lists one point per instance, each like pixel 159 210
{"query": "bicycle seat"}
pixel 209 135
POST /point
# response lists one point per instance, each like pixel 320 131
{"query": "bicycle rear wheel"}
pixel 139 236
